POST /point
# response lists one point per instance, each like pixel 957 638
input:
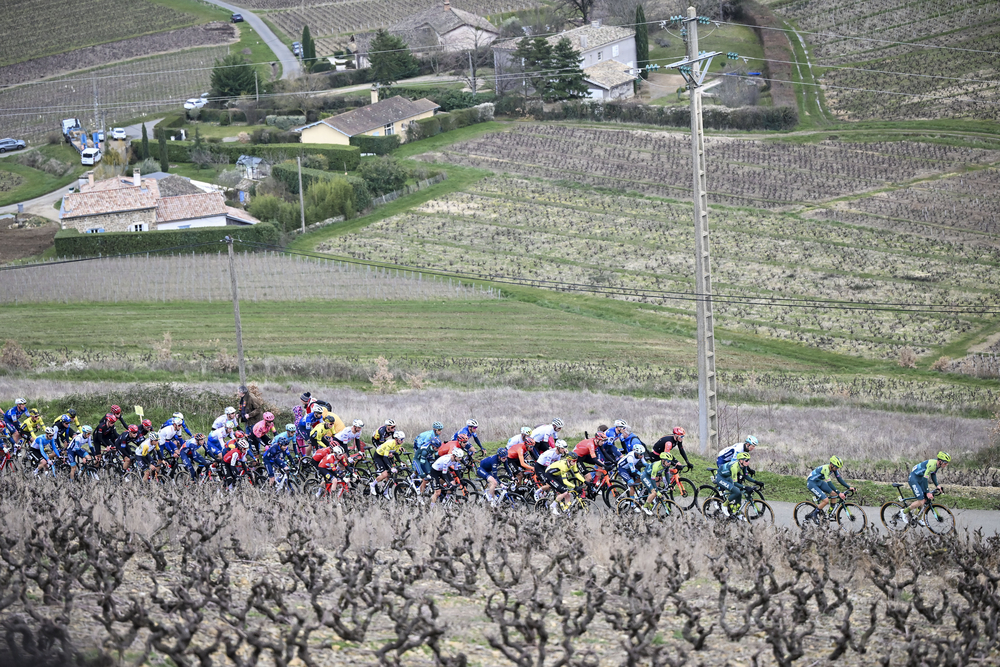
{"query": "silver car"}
pixel 9 144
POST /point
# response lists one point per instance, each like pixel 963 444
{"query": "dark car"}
pixel 9 144
pixel 236 18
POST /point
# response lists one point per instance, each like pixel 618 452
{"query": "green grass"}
pixel 207 130
pixel 36 183
pixel 736 38
pixel 201 10
pixel 191 170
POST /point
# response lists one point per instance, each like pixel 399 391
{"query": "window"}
pixel 614 51
pixel 139 227
pixel 375 133
pixel 186 226
pixel 95 230
pixel 388 130
pixel 600 55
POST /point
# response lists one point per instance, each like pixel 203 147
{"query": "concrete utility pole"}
pixel 472 74
pixel 302 201
pixel 693 69
pixel 236 313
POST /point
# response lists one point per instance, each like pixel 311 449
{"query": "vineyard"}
pixel 743 172
pixel 341 18
pixel 935 87
pixel 36 28
pixel 512 229
pixel 261 276
pixel 124 91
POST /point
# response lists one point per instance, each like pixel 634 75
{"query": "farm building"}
pixel 441 27
pixel 138 205
pixel 253 168
pixel 595 42
pixel 378 119
pixel 609 80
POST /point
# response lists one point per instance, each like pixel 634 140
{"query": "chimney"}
pixel 583 41
pixel 596 24
pixel 136 179
pixel 374 93
pixel 90 178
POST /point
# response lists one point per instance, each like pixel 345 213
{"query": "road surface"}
pixel 987 520
pixel 290 66
pixel 42 206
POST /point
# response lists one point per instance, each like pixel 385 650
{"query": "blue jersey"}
pixel 630 441
pixel 425 446
pixel 13 416
pixel 825 474
pixel 275 453
pixel 489 464
pixel 472 436
pixel 41 442
pixel 926 469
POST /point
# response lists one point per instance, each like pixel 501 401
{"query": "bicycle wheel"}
pixel 613 493
pixel 852 518
pixel 801 511
pixel 629 507
pixel 667 509
pixel 715 508
pixel 757 511
pixel 685 494
pixel 892 517
pixel 939 519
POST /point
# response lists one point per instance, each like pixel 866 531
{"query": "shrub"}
pixel 285 122
pixel 907 358
pixel 69 242
pixel 343 158
pixel 316 161
pixel 329 199
pixel 267 135
pixel 287 173
pixel 13 357
pixel 383 175
pixel 425 128
pixel 275 210
pixel 941 365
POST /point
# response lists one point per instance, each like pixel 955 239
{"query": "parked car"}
pixel 9 144
pixel 196 103
pixel 296 48
pixel 90 156
pixel 236 18
pixel 118 133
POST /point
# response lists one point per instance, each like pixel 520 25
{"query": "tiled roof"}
pixel 174 186
pixel 241 215
pixel 118 183
pixel 443 19
pixel 190 207
pixel 608 74
pixel 375 116
pixel 115 200
pixel 596 36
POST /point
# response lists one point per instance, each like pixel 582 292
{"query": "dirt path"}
pixel 20 243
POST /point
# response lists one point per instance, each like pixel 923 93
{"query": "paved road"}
pixel 41 206
pixel 987 520
pixel 135 131
pixel 290 66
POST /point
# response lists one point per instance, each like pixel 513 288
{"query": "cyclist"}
pixel 216 442
pixel 918 482
pixel 729 477
pixel 275 455
pixel 64 429
pixel 33 424
pixel 630 441
pixel 106 433
pixel 148 453
pixel 425 448
pixel 37 450
pixel 351 437
pixel 441 469
pixel 188 454
pixel 544 460
pixel 673 441
pixel 286 437
pixel 325 428
pixel 14 416
pixel 182 425
pixel 544 436
pixel 259 436
pixel 232 458
pixel 170 434
pixel 820 482
pixel 615 434
pixel 220 421
pixel 563 476
pixel 461 440
pixel 517 447
pixel 631 465
pixel 589 450
pixel 79 449
pixel 125 444
pixel 385 456
pixel 470 430
pixel 729 453
pixel 487 471
pixel 384 433
pixel 145 428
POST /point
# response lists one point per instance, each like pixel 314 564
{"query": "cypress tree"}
pixel 641 40
pixel 308 48
pixel 164 162
pixel 144 150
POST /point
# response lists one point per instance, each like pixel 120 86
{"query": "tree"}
pixel 535 56
pixel 584 7
pixel 383 175
pixel 233 76
pixel 641 41
pixel 144 151
pixel 164 162
pixel 391 59
pixel 308 48
pixel 329 198
pixel 568 82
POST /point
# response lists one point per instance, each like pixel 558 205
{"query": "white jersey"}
pixel 444 462
pixel 516 440
pixel 548 457
pixel 348 434
pixel 168 433
pixel 220 421
pixel 544 433
pixel 729 453
pixel 221 435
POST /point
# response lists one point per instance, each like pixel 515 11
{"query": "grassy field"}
pixel 34 184
pixel 726 38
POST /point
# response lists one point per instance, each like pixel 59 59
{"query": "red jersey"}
pixel 319 454
pixel 332 461
pixel 446 448
pixel 233 455
pixel 586 448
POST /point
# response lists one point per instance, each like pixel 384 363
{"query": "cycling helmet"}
pixel 944 456
pixel 154 436
pixel 573 456
pixel 399 435
pixel 49 431
pixel 525 430
pixel 133 429
pixel 242 443
pixel 269 416
pixel 337 451
pixel 502 453
pixel 836 462
pixel 639 450
pixel 146 424
pixel 20 401
pixel 112 420
pixel 743 456
pixel 679 432
pixel 600 435
pixel 86 430
pixel 179 415
pixel 461 437
pixel 66 419
pixel 33 412
pixel 329 418
pixel 290 428
pixel 239 434
pixel 557 423
pixel 390 422
pixel 457 453
pixel 230 411
pixel 751 440
pixel 667 456
pixel 621 423
pixel 200 436
pixel 560 444
pixel 71 412
pixel 358 423
pixel 472 423
pixel 437 426
pixel 176 421
pixel 115 410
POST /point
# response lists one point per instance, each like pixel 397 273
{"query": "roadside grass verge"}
pixel 36 183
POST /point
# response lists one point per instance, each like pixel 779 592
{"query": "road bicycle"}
pixel 577 504
pixel 9 458
pixel 662 507
pixel 937 518
pixel 681 490
pixel 849 516
pixel 751 509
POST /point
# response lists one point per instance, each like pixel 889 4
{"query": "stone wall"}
pixel 113 222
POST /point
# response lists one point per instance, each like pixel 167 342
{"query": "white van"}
pixel 90 156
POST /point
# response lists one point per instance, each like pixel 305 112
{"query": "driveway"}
pixel 41 206
pixel 135 131
pixel 290 66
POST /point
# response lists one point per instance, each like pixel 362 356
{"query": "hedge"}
pixel 376 145
pixel 70 242
pixel 215 115
pixel 287 173
pixel 170 122
pixel 445 122
pixel 449 99
pixel 340 157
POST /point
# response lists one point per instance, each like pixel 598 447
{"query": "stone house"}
pixel 609 80
pixel 378 119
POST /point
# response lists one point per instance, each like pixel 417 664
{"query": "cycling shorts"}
pixel 72 457
pixel 918 485
pixel 485 474
pixel 270 466
pixel 647 481
pixel 555 482
pixel 36 456
pixel 626 475
pixel 820 488
pixel 422 468
pixel 439 477
pixel 382 463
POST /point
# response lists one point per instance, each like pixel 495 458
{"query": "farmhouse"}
pixel 386 118
pixel 138 205
pixel 609 80
pixel 441 27
pixel 595 42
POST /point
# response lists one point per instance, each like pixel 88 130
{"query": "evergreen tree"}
pixel 144 150
pixel 164 162
pixel 391 59
pixel 641 40
pixel 233 76
pixel 308 48
pixel 535 58
pixel 568 80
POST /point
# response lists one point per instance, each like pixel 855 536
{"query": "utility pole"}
pixel 96 117
pixel 472 74
pixel 256 89
pixel 236 313
pixel 694 68
pixel 302 200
